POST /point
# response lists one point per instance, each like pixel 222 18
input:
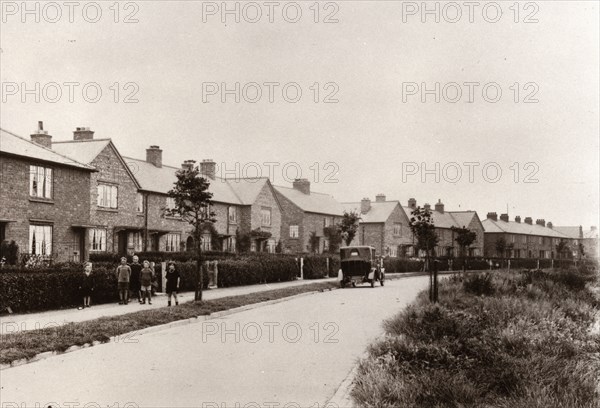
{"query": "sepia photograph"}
pixel 299 204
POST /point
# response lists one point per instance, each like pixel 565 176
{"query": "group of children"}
pixel 134 277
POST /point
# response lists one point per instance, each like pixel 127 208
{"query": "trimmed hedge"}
pixel 161 256
pixel 41 290
pixel 317 267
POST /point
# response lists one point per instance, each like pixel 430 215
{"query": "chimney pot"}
pixel 154 156
pixel 528 220
pixel 41 136
pixel 549 225
pixel 427 206
pixel 439 206
pixel 188 164
pixel 504 217
pixel 302 185
pixel 83 133
pixel 541 222
pixel 208 168
pixel 365 205
pixel 518 219
pixel 380 198
pixel 412 203
pixel 492 216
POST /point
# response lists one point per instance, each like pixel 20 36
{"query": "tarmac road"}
pixel 295 354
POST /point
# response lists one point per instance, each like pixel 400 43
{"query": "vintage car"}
pixel 359 264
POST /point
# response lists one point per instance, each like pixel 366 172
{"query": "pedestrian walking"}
pixel 146 278
pixel 173 280
pixel 134 282
pixel 86 286
pixel 123 276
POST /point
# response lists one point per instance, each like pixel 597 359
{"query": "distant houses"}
pixel 70 198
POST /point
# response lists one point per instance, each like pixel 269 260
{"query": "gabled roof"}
pixel 314 202
pixel 571 232
pixel 513 227
pixel 13 144
pixel 160 180
pixel 85 150
pixel 88 150
pixel 379 212
pixel 447 219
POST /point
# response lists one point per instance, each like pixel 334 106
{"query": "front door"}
pixel 2 231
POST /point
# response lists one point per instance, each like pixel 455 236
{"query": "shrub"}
pixel 318 267
pixel 479 284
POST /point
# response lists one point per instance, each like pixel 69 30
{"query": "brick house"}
pixel 590 243
pixel 306 212
pixel 383 225
pixel 444 221
pixel 44 197
pixel 116 225
pixel 528 240
pixel 240 206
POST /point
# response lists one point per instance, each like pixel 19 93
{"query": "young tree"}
pixel 423 230
pixel 192 202
pixel 349 226
pixel 333 234
pixel 501 247
pixel 465 238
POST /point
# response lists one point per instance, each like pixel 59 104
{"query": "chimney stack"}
pixel 549 225
pixel 41 136
pixel 504 217
pixel 427 207
pixel 528 220
pixel 302 185
pixel 380 198
pixel 83 133
pixel 492 216
pixel 208 169
pixel 188 165
pixel 439 206
pixel 365 205
pixel 154 156
pixel 541 222
pixel 518 219
pixel 412 203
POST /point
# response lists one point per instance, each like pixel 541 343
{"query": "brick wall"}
pixel 266 198
pixel 69 205
pixel 291 215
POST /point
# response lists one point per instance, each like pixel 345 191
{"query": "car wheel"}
pixel 353 284
pixel 342 284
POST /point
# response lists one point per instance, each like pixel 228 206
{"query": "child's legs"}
pixel 86 300
pixel 174 296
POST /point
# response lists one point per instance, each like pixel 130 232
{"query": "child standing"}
pixel 172 276
pixel 146 277
pixel 123 276
pixel 87 285
pixel 134 283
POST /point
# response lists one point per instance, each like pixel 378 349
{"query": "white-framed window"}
pixel 140 202
pixel 107 196
pixel 410 251
pixel 40 240
pixel 206 241
pixel 328 222
pixel 294 231
pixel 231 244
pixel 97 239
pixel 265 216
pixel 40 182
pixel 135 241
pixel 253 245
pixel 512 238
pixel 171 203
pixel 325 244
pixel 173 242
pixel 397 229
pixel 271 246
pixel 394 251
pixel 232 214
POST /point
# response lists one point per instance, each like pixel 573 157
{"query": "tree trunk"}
pixel 199 283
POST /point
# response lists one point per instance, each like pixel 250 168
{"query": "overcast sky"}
pixel 367 57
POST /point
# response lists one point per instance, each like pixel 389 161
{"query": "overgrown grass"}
pixel 509 340
pixel 27 344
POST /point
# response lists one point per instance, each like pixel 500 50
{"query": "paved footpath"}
pixel 295 353
pixel 32 321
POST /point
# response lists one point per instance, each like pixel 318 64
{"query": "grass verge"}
pixel 27 344
pixel 511 340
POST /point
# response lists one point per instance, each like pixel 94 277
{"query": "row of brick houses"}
pixel 74 197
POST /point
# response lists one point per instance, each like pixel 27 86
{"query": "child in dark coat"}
pixel 86 286
pixel 172 276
